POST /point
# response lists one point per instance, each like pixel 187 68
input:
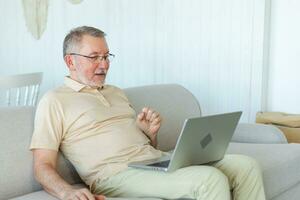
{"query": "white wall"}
pixel 284 63
pixel 212 47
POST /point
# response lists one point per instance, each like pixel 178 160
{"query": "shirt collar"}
pixel 76 86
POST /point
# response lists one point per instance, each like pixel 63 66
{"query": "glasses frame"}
pixel 96 59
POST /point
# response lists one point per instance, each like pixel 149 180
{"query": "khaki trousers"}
pixel 235 175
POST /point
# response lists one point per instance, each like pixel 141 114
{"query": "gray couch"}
pixel 280 162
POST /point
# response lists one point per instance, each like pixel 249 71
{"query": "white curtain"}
pixel 212 47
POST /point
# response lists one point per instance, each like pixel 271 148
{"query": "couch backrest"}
pixel 16 172
pixel 173 102
pixel 15 158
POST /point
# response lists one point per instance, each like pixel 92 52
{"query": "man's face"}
pixel 89 71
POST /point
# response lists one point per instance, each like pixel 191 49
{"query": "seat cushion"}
pixel 280 164
pixel 36 196
pixel 42 195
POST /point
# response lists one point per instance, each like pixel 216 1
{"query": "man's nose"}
pixel 103 64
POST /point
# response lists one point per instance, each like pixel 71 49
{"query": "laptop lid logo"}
pixel 206 140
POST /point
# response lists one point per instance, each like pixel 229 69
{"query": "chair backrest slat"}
pixel 36 91
pixel 26 95
pixel 18 96
pixel 8 97
pixel 21 89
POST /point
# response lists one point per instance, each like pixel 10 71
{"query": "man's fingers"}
pixel 141 116
pixel 83 197
pixel 76 197
pixel 149 114
pixel 156 121
pixel 79 194
pixel 88 194
pixel 145 109
pixel 84 194
pixel 154 116
pixel 100 197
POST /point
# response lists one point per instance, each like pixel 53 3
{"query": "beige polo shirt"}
pixel 94 128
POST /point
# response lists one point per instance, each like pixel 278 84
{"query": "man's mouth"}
pixel 100 74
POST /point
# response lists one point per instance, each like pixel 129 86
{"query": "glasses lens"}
pixel 98 59
pixel 95 59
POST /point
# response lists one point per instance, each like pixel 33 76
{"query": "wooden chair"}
pixel 21 89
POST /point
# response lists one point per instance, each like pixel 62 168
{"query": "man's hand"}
pixel 149 122
pixel 45 173
pixel 81 194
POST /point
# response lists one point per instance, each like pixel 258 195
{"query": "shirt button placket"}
pixel 102 99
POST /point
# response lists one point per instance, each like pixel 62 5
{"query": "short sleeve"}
pixel 48 124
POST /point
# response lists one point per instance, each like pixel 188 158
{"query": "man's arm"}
pixel 45 173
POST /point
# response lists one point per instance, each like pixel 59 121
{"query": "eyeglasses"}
pixel 97 59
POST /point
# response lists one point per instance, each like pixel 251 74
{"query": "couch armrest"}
pixel 258 133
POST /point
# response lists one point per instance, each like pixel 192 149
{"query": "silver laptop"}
pixel 202 140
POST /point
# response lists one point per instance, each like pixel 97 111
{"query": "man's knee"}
pixel 246 162
pixel 219 176
pixel 206 182
pixel 245 165
pixel 215 187
pixel 213 176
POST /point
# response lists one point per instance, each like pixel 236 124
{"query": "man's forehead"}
pixel 94 45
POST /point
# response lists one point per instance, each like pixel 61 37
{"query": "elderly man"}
pixel 95 127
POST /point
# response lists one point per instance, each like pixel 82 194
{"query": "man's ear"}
pixel 70 62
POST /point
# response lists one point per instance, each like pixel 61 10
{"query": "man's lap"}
pixel 138 182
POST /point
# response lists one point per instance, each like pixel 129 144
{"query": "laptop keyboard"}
pixel 164 164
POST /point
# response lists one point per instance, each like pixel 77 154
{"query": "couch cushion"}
pixel 280 164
